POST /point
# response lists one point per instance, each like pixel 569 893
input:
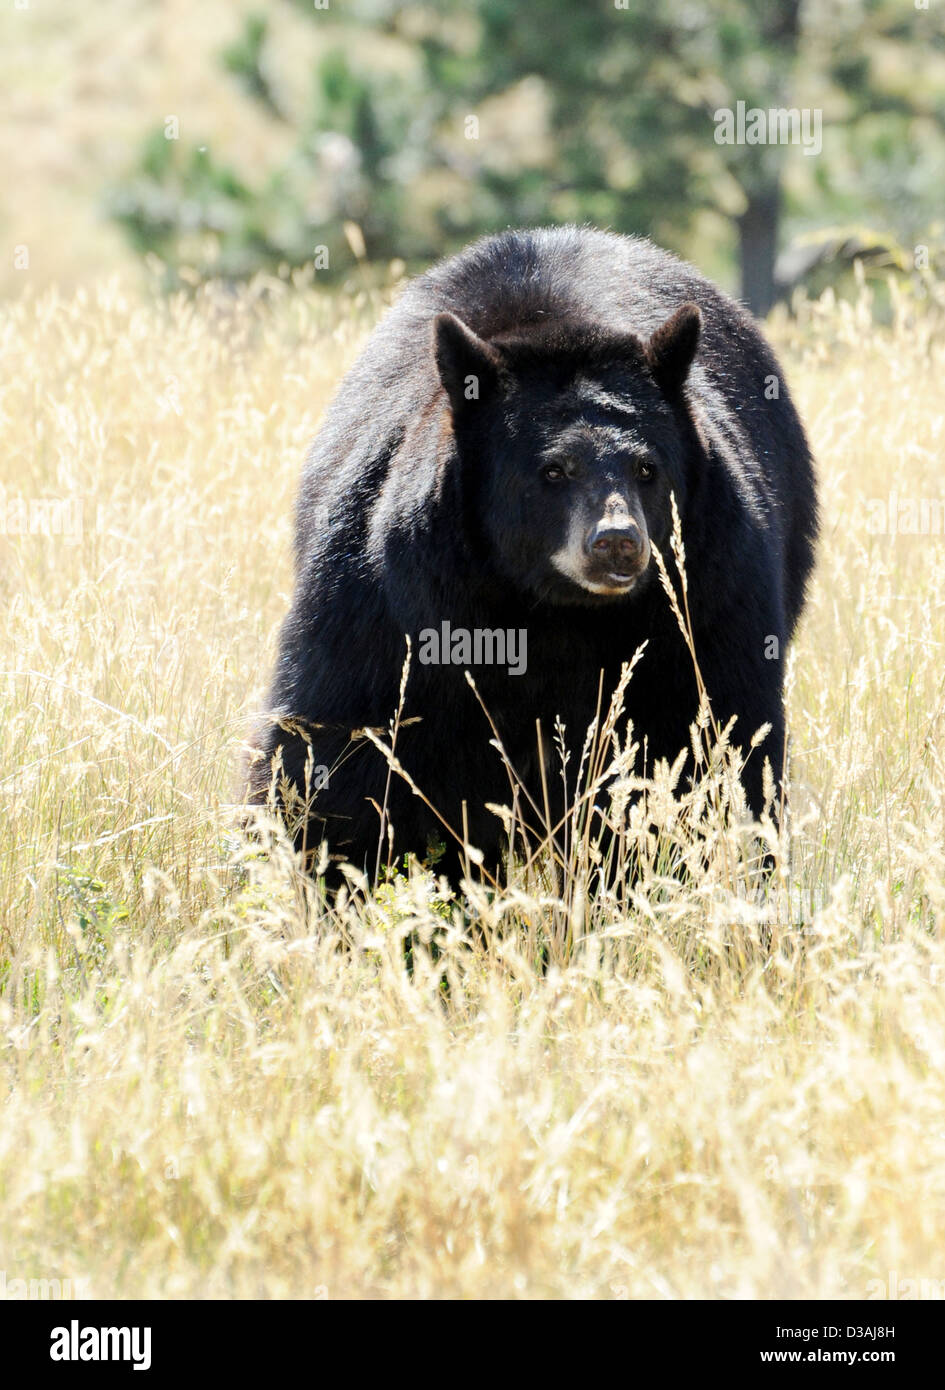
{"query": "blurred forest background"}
pixel 366 136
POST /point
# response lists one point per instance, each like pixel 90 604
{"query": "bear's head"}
pixel 570 439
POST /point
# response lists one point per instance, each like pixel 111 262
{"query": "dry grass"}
pixel 203 1096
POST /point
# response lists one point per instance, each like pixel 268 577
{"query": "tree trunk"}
pixel 758 247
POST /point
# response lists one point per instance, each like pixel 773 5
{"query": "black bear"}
pixel 491 480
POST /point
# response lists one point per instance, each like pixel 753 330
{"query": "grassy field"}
pixel 205 1097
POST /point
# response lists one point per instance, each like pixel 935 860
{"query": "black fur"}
pixel 419 505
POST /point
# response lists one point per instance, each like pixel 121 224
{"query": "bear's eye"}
pixel 553 474
pixel 645 471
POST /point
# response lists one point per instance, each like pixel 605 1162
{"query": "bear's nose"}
pixel 619 547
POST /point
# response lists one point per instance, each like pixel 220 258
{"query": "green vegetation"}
pixel 452 123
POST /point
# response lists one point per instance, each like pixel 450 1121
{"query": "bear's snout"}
pixel 618 548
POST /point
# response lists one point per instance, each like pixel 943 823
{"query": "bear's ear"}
pixel 672 347
pixel 466 363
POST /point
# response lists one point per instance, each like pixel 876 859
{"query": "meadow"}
pixel 216 1084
